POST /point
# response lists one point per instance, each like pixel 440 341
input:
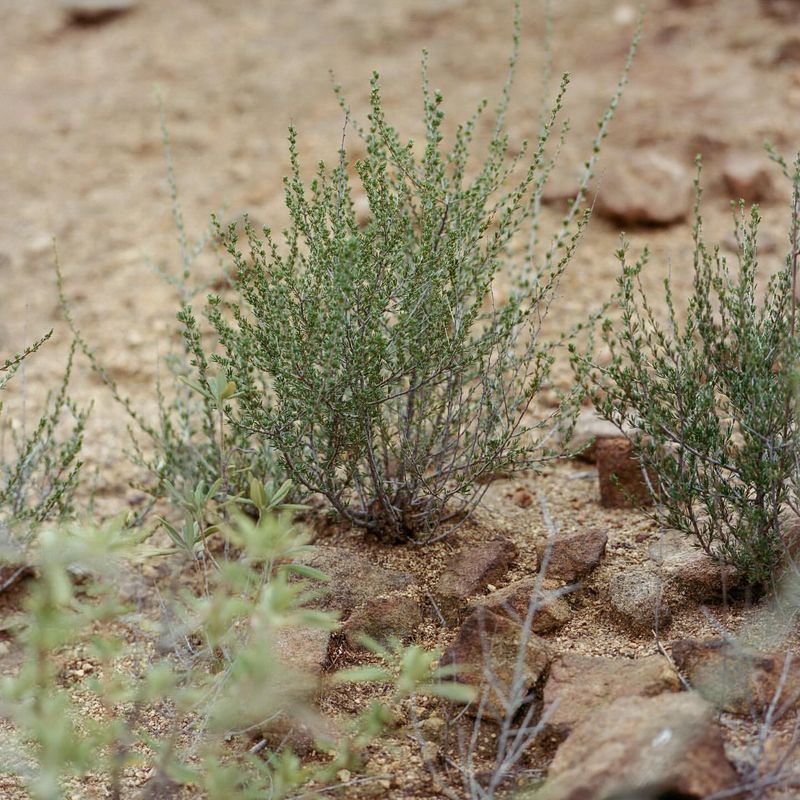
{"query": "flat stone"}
pixel 736 679
pixel 748 176
pixel 636 598
pixel 354 579
pixel 303 649
pixel 646 187
pixel 692 574
pixel 552 611
pixel 641 747
pixel 471 570
pixel 579 685
pixel 622 484
pixel 784 10
pixel 385 617
pixel 488 644
pixel 589 427
pixel 573 556
pixel 89 12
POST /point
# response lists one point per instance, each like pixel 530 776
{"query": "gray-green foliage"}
pixel 712 399
pixel 398 382
pixel 38 480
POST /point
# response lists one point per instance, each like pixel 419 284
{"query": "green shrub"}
pixel 38 482
pixel 712 400
pixel 398 383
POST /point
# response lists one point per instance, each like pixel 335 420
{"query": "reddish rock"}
pixel 522 497
pixel 641 747
pixel 579 685
pixel 736 679
pixel 588 429
pixel 388 616
pixel 647 188
pixel 488 644
pixel 572 556
pixel 748 176
pixel 784 10
pixel 470 572
pixel 636 597
pixel 552 610
pixel 622 484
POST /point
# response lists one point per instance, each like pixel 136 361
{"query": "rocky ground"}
pixel 82 161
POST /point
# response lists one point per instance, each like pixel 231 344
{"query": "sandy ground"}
pixel 82 162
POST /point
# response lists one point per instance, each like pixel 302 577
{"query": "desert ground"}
pixel 83 168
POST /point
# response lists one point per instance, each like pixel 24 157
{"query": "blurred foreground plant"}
pixel 713 401
pixel 175 704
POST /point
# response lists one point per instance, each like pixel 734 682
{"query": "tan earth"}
pixel 82 163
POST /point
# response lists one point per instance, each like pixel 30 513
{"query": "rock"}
pixel 552 610
pixel 13 573
pixel 387 616
pixel 788 52
pixel 647 187
pixel 767 242
pixel 641 747
pixel 572 556
pixel 785 10
pixel 695 576
pixel 303 650
pixel 470 572
pixel 487 642
pixel 93 12
pixel 636 599
pixel 736 679
pixel 622 484
pixel 579 685
pixel 747 176
pixel 522 497
pixel 589 427
pixel 354 579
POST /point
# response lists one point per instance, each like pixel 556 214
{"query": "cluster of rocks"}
pixel 614 724
pixel 655 187
pixel 617 724
pixel 94 12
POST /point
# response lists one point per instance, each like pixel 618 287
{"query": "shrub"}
pixel 38 482
pixel 712 400
pixel 398 383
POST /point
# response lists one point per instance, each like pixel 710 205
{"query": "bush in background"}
pixel 712 400
pixel 39 479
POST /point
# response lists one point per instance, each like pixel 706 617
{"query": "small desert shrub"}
pixel 712 400
pixel 185 703
pixel 398 383
pixel 38 481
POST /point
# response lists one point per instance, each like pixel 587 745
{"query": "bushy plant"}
pixel 398 382
pixel 712 400
pixel 38 480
